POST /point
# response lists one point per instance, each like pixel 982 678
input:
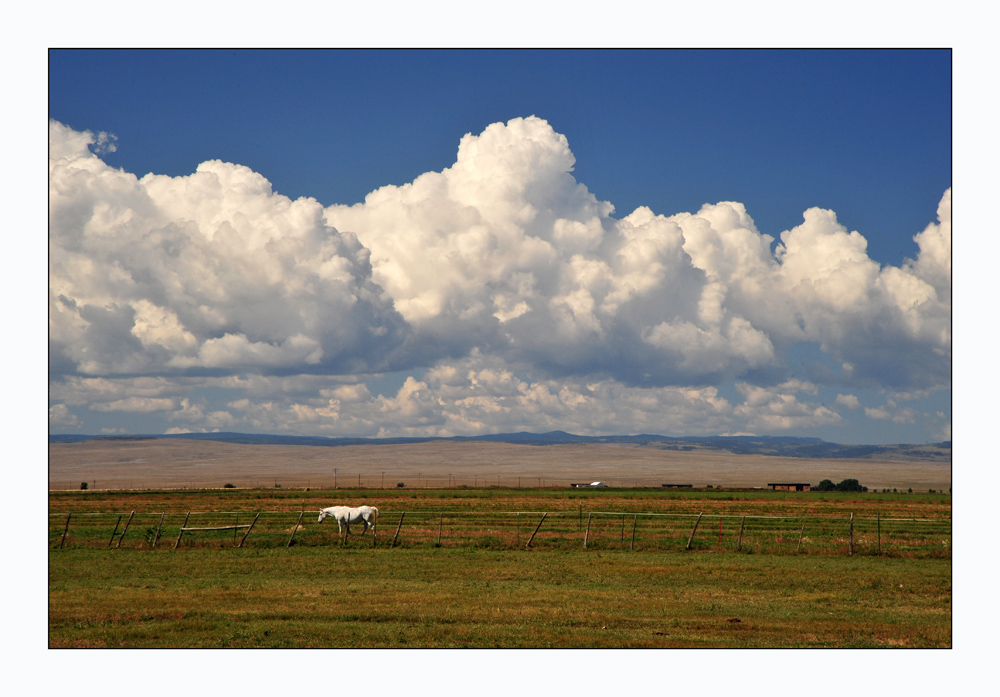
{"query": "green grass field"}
pixel 318 593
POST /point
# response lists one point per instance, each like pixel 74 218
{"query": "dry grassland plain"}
pixel 169 463
pixel 458 592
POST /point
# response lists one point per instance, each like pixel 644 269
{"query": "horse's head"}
pixel 322 515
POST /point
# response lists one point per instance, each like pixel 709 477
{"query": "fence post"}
pixel 536 530
pixel 739 541
pixel 127 522
pixel 850 541
pixel 634 519
pixel 517 522
pixel 878 520
pixel 184 525
pixel 65 530
pixel 294 529
pixel 800 538
pixel 586 536
pixel 690 539
pixel 394 537
pixel 623 528
pixel 440 525
pixel 115 531
pixel 252 523
pixel 157 535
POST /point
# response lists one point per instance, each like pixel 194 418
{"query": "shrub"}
pixel 825 485
pixel 83 485
pixel 851 485
pixel 228 486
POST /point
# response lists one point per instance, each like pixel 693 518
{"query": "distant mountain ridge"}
pixel 782 446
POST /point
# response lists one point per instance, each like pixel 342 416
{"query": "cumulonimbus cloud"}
pixel 506 251
pixel 212 271
pixel 505 279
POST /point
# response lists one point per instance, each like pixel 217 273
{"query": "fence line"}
pixel 546 530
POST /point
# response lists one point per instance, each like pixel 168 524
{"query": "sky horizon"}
pixel 432 243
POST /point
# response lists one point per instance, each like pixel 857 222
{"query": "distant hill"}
pixel 782 446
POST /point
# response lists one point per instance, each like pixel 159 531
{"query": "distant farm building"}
pixel 785 486
pixel 592 485
pixel 677 486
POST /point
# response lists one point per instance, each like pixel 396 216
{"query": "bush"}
pixel 846 485
pixel 83 485
pixel 228 486
pixel 825 485
pixel 851 485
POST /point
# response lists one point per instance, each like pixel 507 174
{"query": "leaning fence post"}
pixel 850 541
pixel 396 536
pixel 739 540
pixel 440 525
pixel 157 535
pixel 295 528
pixel 536 530
pixel 586 535
pixel 114 532
pixel 252 523
pixel 65 530
pixel 182 530
pixel 690 539
pixel 120 537
pixel 800 538
pixel 634 519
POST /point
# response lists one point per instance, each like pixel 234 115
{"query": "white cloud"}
pixel 848 400
pixel 214 270
pixel 61 417
pixel 505 287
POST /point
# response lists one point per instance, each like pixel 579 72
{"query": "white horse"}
pixel 345 515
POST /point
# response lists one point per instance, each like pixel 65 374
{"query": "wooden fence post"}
pixel 695 528
pixel 634 519
pixel 739 540
pixel 440 525
pixel 114 532
pixel 65 530
pixel 127 522
pixel 623 528
pixel 157 535
pixel 850 541
pixel 800 538
pixel 586 535
pixel 184 525
pixel 536 530
pixel 878 520
pixel 294 529
pixel 396 536
pixel 517 522
pixel 252 523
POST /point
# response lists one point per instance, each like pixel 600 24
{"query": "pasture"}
pixel 460 576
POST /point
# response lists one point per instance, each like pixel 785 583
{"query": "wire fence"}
pixel 532 530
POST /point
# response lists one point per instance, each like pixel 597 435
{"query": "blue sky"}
pixel 554 272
